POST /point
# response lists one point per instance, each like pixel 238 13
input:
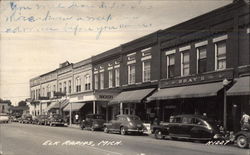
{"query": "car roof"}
pixel 125 115
pixel 193 116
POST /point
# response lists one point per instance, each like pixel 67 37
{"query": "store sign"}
pixel 196 79
pixel 107 97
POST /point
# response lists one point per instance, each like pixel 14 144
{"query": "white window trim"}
pixel 117 83
pixel 131 62
pixel 129 80
pixel 220 38
pixel 170 52
pixel 131 54
pixel 149 48
pixel 116 66
pixel 146 58
pixel 203 43
pixel 96 72
pixel 184 48
pixel 110 68
pixel 102 81
pixel 102 70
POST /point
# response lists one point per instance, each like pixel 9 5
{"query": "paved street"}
pixel 25 139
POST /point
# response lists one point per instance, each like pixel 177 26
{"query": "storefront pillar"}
pixel 94 105
pixel 158 108
pixel 121 108
pixel 225 83
pixel 70 114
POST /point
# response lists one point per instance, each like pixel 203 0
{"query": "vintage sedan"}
pixel 26 118
pixel 124 124
pixel 4 118
pixel 42 119
pixel 93 122
pixel 55 119
pixel 189 127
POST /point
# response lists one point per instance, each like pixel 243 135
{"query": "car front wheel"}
pixel 242 141
pixel 123 131
pixel 158 134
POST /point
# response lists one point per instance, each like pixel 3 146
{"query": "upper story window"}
pixel 220 52
pixel 65 87
pixel 185 63
pixel 131 74
pixel 43 92
pixel 102 80
pixel 170 55
pixel 78 84
pixel 110 78
pixel 87 82
pixel 146 52
pixel 48 91
pixel 96 81
pixel 69 86
pixel 117 77
pixel 201 59
pixel 60 87
pixel 54 88
pixel 146 65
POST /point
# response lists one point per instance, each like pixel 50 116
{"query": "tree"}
pixel 22 103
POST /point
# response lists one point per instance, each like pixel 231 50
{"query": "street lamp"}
pixel 225 83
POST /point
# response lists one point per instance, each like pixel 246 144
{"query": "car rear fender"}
pixel 243 133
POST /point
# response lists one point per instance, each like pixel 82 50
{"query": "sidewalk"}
pixel 73 126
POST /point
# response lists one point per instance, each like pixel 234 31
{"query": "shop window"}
pixel 220 59
pixel 131 74
pixel 102 80
pixel 177 120
pixel 87 82
pixel 96 81
pixel 117 77
pixel 146 71
pixel 170 65
pixel 60 87
pixel 110 78
pixel 185 63
pixel 201 59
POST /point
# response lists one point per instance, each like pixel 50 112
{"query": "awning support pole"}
pixel 121 109
pixel 94 107
pixel 70 114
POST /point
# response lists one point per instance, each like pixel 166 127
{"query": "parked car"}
pixel 55 119
pixel 124 124
pixel 93 122
pixel 242 138
pixel 34 120
pixel 4 118
pixel 190 127
pixel 42 119
pixel 26 118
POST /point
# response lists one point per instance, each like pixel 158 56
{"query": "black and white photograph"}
pixel 125 77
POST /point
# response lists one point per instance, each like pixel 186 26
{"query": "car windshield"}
pixel 57 116
pixel 135 118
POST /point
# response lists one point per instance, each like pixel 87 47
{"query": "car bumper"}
pixel 58 123
pixel 135 130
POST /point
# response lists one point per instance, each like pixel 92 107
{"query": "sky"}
pixel 36 36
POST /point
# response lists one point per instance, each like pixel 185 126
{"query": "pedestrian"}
pixel 76 118
pixel 245 121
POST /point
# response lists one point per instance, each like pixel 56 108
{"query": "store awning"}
pixel 74 106
pixel 202 90
pixel 241 87
pixel 133 96
pixel 51 106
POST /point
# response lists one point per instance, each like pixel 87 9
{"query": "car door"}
pixel 199 129
pixel 185 127
pixel 174 127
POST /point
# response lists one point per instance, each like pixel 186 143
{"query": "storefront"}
pixel 91 103
pixel 203 95
pixel 130 102
pixel 239 101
